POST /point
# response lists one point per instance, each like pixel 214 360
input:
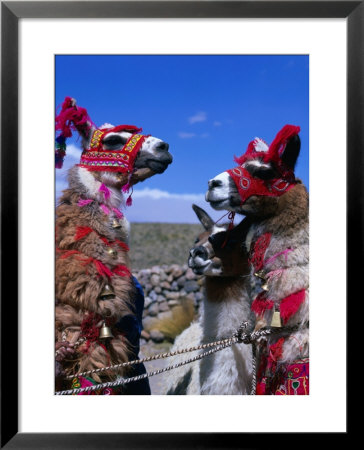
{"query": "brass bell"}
pixel 265 286
pixel 112 252
pixel 260 275
pixel 107 293
pixel 105 332
pixel 276 319
pixel 116 224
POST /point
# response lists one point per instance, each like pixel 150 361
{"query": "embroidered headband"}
pixel 247 184
pixel 96 157
pixel 122 160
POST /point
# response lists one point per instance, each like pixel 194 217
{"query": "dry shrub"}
pixel 182 316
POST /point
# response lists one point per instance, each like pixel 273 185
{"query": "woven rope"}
pixel 152 358
pixel 123 381
pixel 238 337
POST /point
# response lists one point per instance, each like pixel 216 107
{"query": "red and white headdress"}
pixel 258 153
pixel 96 157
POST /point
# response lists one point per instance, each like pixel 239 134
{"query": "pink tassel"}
pixel 129 201
pixel 126 187
pixel 105 209
pixel 118 213
pixel 105 191
pixel 84 202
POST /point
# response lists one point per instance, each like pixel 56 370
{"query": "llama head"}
pixel 218 251
pixel 115 155
pixel 262 176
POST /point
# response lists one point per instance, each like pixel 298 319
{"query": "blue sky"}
pixel 208 108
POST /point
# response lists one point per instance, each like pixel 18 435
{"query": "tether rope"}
pixel 238 337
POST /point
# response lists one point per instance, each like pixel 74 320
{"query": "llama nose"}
pixel 200 252
pixel 163 146
pixel 214 183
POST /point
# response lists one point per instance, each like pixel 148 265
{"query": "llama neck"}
pixel 96 190
pixel 226 305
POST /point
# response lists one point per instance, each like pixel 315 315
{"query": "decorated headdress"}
pixel 96 157
pixel 260 156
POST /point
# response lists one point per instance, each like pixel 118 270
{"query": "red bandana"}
pixel 249 185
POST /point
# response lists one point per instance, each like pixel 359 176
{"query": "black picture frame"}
pixel 11 12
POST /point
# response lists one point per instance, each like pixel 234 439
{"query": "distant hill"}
pixel 154 244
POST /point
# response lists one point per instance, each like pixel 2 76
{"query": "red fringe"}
pixel 122 271
pixel 122 245
pixel 107 169
pixel 81 232
pixel 261 304
pixel 290 305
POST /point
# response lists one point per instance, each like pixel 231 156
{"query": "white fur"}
pixel 89 181
pixel 219 193
pixel 185 379
pixel 229 371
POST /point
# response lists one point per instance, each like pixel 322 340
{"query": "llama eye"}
pixel 114 140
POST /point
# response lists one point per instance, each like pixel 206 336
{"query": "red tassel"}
pixel 261 304
pixel 122 271
pixel 122 245
pixel 102 269
pixel 129 201
pixel 290 305
pixel 81 232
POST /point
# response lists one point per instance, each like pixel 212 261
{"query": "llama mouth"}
pixel 219 204
pixel 198 267
pixel 159 166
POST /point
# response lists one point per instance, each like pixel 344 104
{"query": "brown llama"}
pixel 98 302
pixel 220 257
pixel 264 188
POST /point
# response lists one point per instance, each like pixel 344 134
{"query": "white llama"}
pixel 220 257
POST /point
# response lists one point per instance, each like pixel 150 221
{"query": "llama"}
pixel 264 188
pixel 98 302
pixel 220 257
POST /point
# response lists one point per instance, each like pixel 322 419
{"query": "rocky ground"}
pixel 172 297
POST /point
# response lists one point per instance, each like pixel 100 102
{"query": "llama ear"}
pixel 241 229
pixel 203 217
pixel 261 170
pixel 291 151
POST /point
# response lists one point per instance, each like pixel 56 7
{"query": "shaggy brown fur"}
pixel 79 283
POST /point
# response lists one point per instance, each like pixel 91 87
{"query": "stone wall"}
pixel 166 287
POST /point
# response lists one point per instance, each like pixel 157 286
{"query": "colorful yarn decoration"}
pixel 105 190
pixel 60 151
pixel 69 119
pixel 86 202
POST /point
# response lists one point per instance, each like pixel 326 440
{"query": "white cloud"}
pixel 154 205
pixel 158 194
pixel 184 135
pixel 198 117
pixel 73 152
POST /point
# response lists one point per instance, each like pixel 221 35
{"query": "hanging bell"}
pixel 260 275
pixel 116 224
pixel 105 332
pixel 276 319
pixel 265 286
pixel 112 252
pixel 107 293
